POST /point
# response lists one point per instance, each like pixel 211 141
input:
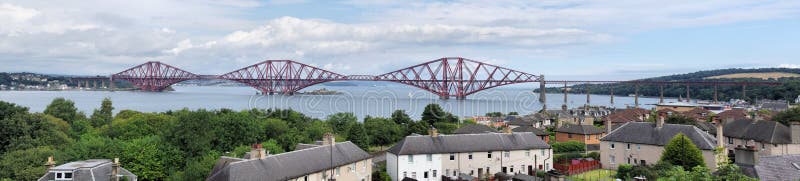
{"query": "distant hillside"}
pixel 787 91
pixel 763 76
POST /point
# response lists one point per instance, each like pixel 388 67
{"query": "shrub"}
pixel 569 146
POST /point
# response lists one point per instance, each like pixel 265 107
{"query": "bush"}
pixel 593 155
pixel 568 147
pixel 567 156
pixel 624 171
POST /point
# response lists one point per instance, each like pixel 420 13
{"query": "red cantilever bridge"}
pixel 446 77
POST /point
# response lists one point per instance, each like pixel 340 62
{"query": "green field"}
pixel 593 175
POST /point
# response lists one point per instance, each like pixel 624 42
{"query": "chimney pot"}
pixel 328 139
pixel 507 130
pixel 661 119
pixel 433 132
pixel 608 125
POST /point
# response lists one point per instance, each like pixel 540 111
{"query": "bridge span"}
pixel 446 77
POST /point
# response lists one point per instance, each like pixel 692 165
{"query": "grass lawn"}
pixel 599 175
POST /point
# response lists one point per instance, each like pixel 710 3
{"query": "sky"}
pixel 562 39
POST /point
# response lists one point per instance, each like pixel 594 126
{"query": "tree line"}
pixel 182 144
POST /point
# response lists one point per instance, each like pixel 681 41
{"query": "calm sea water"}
pixel 361 100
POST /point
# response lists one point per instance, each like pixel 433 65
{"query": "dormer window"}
pixel 63 175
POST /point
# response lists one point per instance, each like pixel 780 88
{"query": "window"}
pixel 405 174
pixel 469 156
pixel 425 175
pixel 63 175
pixel 569 135
pixel 338 171
pixel 612 145
pixel 430 157
pixel 353 167
pixel 543 153
pixel 489 155
pixel 613 160
pixel 365 165
pixel 638 147
pixel 629 160
pixel 763 147
pixel 455 173
pixel 410 158
pixel 629 147
pixel 730 140
pixel 305 178
pixel 528 153
pixel 445 172
pixel 511 169
pixel 597 136
pixel 507 154
pixel 522 168
pixel 452 156
pixel 434 173
pixel 414 175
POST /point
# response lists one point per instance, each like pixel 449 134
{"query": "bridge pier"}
pixel 111 83
pixel 564 106
pixel 716 94
pixel 661 93
pixel 688 95
pixel 461 97
pixel 744 92
pixel 612 95
pixel 588 92
pixel 542 93
pixel 636 96
pixel 444 97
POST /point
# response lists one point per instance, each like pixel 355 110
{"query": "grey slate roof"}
pixel 474 129
pixel 779 167
pixel 647 133
pixel 288 165
pixel 467 143
pixel 761 131
pixel 95 169
pixel 579 129
pixel 520 122
pixel 531 129
pixel 303 146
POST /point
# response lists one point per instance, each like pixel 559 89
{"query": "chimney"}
pixel 608 126
pixel 50 162
pixel 746 155
pixel 115 170
pixel 720 136
pixel 257 152
pixel 328 139
pixel 757 117
pixel 507 130
pixel 661 119
pixel 795 131
pixel 433 132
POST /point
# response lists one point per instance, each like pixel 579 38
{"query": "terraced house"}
pixel 768 137
pixel 433 157
pixel 324 161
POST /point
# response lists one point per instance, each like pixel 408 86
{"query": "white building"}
pixel 429 158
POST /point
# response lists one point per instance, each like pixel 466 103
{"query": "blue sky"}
pixel 564 39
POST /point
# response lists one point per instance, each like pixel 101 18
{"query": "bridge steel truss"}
pixel 446 77
pixel 154 76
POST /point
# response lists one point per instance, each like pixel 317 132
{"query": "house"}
pixel 436 157
pixel 587 134
pixel 776 167
pixel 330 160
pixel 530 129
pixel 733 114
pixel 627 115
pixel 96 169
pixel 474 129
pixel 698 114
pixel 770 137
pixel 774 106
pixel 677 106
pixel 641 143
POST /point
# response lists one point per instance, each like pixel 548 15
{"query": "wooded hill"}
pixel 787 91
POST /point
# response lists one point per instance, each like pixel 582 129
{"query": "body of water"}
pixel 360 100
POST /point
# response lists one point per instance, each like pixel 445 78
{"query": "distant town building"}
pixel 642 143
pixel 467 156
pixel 474 129
pixel 329 160
pixel 587 134
pixel 797 100
pixel 530 129
pixel 623 116
pixel 773 105
pixel 97 169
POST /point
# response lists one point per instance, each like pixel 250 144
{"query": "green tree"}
pixel 788 116
pixel 197 168
pixel 418 127
pixel 62 108
pixel 433 114
pixel 680 119
pixel 192 133
pixel 568 147
pixel 23 131
pixel 341 122
pixel 104 115
pixel 274 128
pixel 382 131
pixel 92 146
pixel 150 157
pixel 9 109
pixel 494 114
pixel 26 164
pixel 139 125
pixel 680 151
pixel 445 128
pixel 358 135
pixel 242 128
pixel 400 117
